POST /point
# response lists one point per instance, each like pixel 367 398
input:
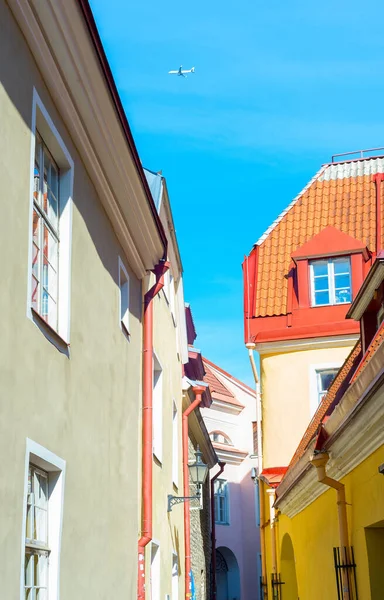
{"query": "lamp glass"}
pixel 198 470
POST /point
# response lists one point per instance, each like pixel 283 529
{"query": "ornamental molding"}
pixel 335 341
pixel 363 436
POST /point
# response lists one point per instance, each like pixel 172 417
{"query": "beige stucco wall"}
pixel 286 398
pixel 86 408
pixel 167 527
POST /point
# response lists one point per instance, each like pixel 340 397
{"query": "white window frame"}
pixel 124 290
pixel 314 371
pixel 55 466
pixel 155 570
pixel 157 409
pixel 331 280
pixel 175 576
pixel 42 122
pixel 226 520
pixel 175 444
pixel 172 298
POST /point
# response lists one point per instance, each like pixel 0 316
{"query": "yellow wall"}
pixel 314 533
pixel 285 379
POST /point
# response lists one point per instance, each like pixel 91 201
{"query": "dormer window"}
pixel 220 438
pixel 330 281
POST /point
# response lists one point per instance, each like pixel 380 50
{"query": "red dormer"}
pixel 304 272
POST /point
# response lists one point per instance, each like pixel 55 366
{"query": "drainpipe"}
pixel 147 442
pixel 213 529
pixel 198 391
pixel 320 461
pixel 250 347
pixel 272 513
pixel 378 178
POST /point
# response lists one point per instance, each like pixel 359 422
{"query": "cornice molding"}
pixel 336 341
pixel 54 32
pixel 363 436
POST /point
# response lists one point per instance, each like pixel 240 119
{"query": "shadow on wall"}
pixel 288 569
pixel 227 575
pixel 18 84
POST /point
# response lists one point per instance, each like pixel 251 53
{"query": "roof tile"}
pixel 342 195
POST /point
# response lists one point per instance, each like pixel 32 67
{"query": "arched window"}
pixel 220 438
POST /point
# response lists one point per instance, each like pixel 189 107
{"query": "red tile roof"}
pixel 273 475
pixel 234 379
pixel 218 389
pixel 342 195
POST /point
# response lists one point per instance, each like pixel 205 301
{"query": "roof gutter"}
pixel 106 69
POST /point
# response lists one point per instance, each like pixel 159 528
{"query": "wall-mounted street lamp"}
pixel 198 472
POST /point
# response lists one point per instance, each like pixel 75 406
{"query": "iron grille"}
pixel 276 586
pixel 345 569
pixel 263 589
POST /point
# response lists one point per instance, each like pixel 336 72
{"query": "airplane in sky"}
pixel 182 72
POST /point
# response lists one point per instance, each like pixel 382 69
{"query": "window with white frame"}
pixel 155 571
pixel 175 444
pixel 331 281
pixel 175 576
pixel 221 502
pixel 124 297
pixel 50 224
pixel 46 237
pixel 220 438
pixel 324 380
pixel 172 292
pixel 36 536
pixel 43 504
pixel 157 409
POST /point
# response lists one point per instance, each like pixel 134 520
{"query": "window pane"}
pixel 326 379
pixel 343 295
pixel 50 248
pixel 41 570
pixel 341 266
pixel 321 284
pixel 321 298
pixel 342 281
pixel 42 595
pixel 29 569
pixel 29 594
pixel 36 173
pixel 320 268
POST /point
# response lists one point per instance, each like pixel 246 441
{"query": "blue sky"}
pixel 279 87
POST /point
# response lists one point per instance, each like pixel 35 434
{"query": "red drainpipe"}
pixel 378 178
pixel 213 529
pixel 146 532
pixel 198 391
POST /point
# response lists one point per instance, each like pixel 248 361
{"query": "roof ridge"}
pixel 226 374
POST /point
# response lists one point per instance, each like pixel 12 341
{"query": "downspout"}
pixel 320 461
pixel 147 442
pixel 198 391
pixel 272 518
pixel 378 178
pixel 213 529
pixel 250 348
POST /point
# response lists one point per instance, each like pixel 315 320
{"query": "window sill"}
pixel 326 305
pixel 223 524
pixel 50 333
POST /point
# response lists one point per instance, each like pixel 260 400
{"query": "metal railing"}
pixel 345 570
pixel 360 153
pixel 276 586
pixel 263 589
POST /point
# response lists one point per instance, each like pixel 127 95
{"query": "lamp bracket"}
pixel 172 500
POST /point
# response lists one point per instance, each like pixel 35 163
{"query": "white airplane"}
pixel 182 72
